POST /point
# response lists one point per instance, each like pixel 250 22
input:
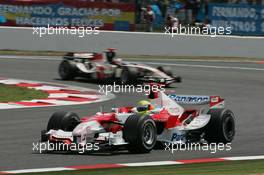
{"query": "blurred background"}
pixel 246 17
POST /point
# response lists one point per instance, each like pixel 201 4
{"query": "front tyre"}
pixel 67 70
pixel 221 127
pixel 141 133
pixel 65 121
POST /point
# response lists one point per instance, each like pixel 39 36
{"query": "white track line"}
pixel 151 63
pixel 245 158
pixel 51 58
pixel 38 170
pixel 139 164
pixel 208 66
pixel 151 163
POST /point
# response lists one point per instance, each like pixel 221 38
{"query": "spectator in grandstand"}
pixel 172 21
pixel 195 10
pixel 188 11
pixel 206 8
pixel 149 17
pixel 163 6
pixel 207 23
pixel 191 10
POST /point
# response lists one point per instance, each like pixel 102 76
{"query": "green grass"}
pixel 254 167
pixel 60 54
pixel 12 93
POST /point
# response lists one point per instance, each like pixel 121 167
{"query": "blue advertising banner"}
pixel 244 19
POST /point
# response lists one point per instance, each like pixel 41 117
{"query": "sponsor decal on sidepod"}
pixel 190 99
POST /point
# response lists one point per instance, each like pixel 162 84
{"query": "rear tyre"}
pixel 221 127
pixel 128 75
pixel 67 70
pixel 65 121
pixel 141 133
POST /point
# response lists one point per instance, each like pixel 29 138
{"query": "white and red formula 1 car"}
pixel 140 128
pixel 99 66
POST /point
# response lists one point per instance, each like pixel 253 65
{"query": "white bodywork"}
pixel 89 66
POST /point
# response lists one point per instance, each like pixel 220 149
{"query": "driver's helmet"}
pixel 145 104
pixel 110 55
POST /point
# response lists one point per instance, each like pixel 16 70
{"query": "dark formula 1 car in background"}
pixel 98 66
pixel 157 121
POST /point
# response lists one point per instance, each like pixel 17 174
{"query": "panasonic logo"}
pixel 189 99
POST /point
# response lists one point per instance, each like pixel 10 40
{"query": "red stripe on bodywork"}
pixel 33 103
pixel 98 166
pixel 201 160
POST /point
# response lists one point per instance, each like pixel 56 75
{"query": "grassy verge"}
pixel 52 53
pixel 12 93
pixel 254 167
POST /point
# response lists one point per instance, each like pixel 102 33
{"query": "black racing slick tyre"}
pixel 140 133
pixel 65 121
pixel 221 127
pixel 67 70
pixel 128 75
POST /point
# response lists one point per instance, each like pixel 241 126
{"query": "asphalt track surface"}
pixel 242 89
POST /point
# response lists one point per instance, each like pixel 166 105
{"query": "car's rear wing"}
pixel 212 101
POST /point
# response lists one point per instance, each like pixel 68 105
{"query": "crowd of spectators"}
pixel 112 1
pixel 172 12
pixel 175 12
